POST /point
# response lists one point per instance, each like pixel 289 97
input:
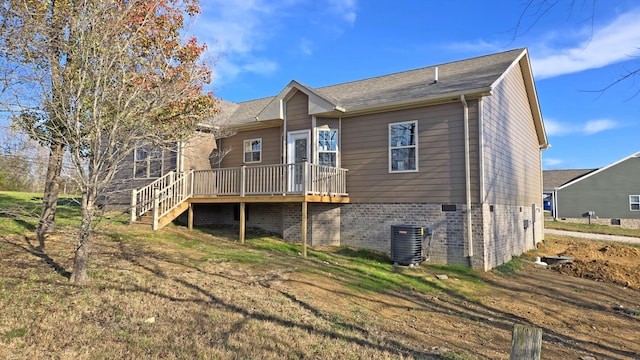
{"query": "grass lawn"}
pixel 179 294
pixel 591 228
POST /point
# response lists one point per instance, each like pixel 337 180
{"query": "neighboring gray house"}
pixel 553 179
pixel 455 147
pixel 609 195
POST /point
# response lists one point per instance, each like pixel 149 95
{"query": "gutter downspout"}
pixel 467 177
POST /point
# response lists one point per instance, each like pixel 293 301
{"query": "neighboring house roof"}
pixel 471 77
pixel 597 171
pixel 553 179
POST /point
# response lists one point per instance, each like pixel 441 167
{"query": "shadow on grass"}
pixel 139 257
pixel 39 253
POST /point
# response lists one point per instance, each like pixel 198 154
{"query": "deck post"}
pixel 243 173
pixel 156 206
pixel 304 228
pixel 526 342
pixel 305 177
pixel 242 222
pixel 190 217
pixel 134 204
pixel 192 177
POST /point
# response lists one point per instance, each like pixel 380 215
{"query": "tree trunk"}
pixel 81 259
pixel 51 191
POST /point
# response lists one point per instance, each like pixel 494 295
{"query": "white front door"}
pixel 299 152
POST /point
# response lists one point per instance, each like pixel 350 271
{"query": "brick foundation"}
pixel 624 223
pixel 499 231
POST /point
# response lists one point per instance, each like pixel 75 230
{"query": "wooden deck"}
pixel 166 198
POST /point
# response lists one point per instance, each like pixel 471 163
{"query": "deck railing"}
pixel 169 191
pixel 142 199
pixel 282 179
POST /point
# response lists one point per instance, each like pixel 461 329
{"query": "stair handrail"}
pixel 171 196
pixel 142 199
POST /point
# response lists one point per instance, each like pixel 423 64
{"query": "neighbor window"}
pixel 328 147
pixel 634 202
pixel 253 151
pixel 147 162
pixel 403 146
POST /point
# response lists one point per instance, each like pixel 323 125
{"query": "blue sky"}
pixel 257 46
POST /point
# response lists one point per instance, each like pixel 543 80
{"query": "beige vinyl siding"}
pixel 606 193
pixel 298 117
pixel 511 149
pixel 440 176
pixel 197 151
pixel 271 146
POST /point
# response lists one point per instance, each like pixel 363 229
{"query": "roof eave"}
pixel 532 96
pixel 399 105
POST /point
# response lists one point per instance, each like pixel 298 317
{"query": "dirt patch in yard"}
pixel 614 263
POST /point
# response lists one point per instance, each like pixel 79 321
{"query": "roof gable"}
pixel 317 103
pixel 634 155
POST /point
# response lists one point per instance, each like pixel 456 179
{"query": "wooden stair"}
pixel 147 219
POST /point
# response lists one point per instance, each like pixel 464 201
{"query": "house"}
pixel 553 179
pixel 609 195
pixel 454 147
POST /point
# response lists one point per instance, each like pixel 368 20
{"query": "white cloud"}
pixel 613 43
pixel 555 128
pixel 344 8
pixel 305 47
pixel 551 162
pixel 239 32
pixel 261 66
pixel 596 126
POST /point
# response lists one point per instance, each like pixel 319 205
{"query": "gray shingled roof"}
pixel 457 77
pixel 453 77
pixel 555 178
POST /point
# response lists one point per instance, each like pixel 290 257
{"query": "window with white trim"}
pixel 328 147
pixel 634 202
pixel 252 151
pixel 403 147
pixel 147 163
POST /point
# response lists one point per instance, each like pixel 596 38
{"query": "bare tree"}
pixel 128 79
pixel 20 162
pixel 586 12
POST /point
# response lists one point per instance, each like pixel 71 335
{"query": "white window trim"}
pixel 389 148
pixel 244 151
pixel 336 151
pixel 634 202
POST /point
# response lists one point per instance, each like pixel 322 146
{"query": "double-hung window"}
pixel 328 147
pixel 634 202
pixel 147 162
pixel 253 151
pixel 403 147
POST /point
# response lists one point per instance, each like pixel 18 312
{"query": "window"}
pixel 403 147
pixel 253 151
pixel 328 147
pixel 147 163
pixel 634 202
